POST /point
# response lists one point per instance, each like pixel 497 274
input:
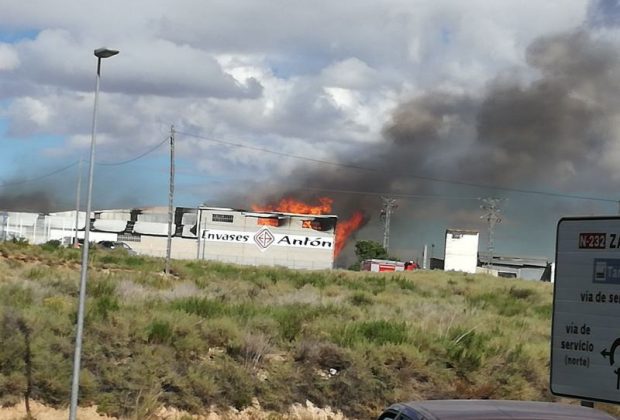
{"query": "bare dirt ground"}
pixel 305 411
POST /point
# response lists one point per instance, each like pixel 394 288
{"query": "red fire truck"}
pixel 382 265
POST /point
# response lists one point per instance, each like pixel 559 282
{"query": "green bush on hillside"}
pixel 219 335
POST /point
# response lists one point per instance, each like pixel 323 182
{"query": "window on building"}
pixel 225 218
pixel 129 237
pixel 268 221
pixel 312 224
pixel 323 224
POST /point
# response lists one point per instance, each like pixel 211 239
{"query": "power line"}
pixel 392 194
pixel 135 158
pixel 38 178
pixel 275 152
pixel 415 176
pixel 64 168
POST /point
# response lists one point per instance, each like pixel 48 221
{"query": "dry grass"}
pixel 218 335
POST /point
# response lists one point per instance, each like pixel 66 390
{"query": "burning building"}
pixel 270 238
pixel 307 240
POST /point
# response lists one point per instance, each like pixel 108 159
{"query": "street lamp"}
pixel 75 383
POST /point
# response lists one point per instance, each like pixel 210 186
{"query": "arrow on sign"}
pixel 611 352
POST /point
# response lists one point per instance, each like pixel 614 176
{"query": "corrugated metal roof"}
pixel 516 261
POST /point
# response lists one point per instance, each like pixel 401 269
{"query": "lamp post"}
pixel 75 382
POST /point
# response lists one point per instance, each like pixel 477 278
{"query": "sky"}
pixel 437 103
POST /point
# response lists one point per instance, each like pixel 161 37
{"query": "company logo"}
pixel 264 238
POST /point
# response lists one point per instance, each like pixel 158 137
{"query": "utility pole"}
pixel 490 205
pixel 170 201
pixel 389 204
pixel 77 204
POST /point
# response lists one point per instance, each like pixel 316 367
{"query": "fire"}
pixel 344 228
pixel 290 205
pixel 268 222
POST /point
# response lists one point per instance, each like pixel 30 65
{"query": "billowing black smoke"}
pixel 552 128
pixel 113 187
pixel 28 201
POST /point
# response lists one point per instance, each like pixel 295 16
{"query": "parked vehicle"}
pixel 112 245
pixel 377 265
pixel 489 410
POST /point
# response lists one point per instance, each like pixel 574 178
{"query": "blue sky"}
pixel 339 82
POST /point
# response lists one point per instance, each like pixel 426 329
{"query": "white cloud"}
pixel 316 78
pixel 8 58
pixel 31 112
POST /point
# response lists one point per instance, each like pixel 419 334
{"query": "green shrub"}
pixel 301 278
pixel 51 245
pixel 376 284
pixel 404 283
pixel 101 286
pixel 357 341
pixel 377 332
pixel 291 318
pixel 16 295
pixel 503 303
pixel 543 311
pixel 154 280
pixel 360 299
pixel 325 355
pixel 521 293
pixel 202 385
pixel 37 273
pixel 290 323
pixel 103 305
pixel 236 386
pixel 19 242
pixel 159 332
pixel 221 332
pixel 467 349
pixel 206 308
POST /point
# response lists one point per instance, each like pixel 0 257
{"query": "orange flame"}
pixel 344 228
pixel 263 221
pixel 290 205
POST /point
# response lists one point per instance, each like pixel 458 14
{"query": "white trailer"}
pixel 461 251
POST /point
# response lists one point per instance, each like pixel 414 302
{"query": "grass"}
pixel 219 335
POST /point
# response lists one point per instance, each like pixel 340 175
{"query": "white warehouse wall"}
pixel 461 252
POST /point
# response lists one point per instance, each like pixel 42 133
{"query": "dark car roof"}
pixel 495 409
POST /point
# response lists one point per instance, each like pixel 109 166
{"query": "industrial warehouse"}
pixel 267 238
pixel 258 238
pixel 206 233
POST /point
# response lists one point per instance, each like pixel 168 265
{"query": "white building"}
pixel 267 238
pixel 461 251
pixel 228 235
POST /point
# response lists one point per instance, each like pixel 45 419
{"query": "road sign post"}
pixel 585 342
